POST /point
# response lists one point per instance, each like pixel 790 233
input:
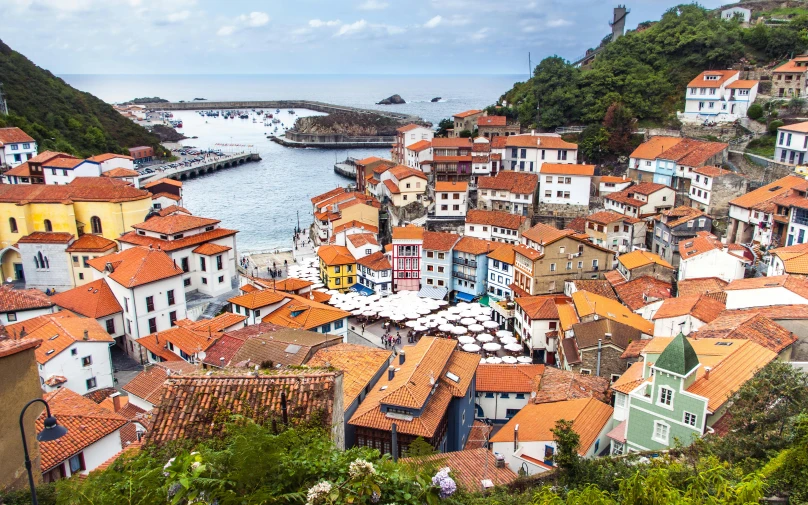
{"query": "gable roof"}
pixel 468 113
pixel 303 313
pixel 692 152
pixel 13 300
pixel 360 239
pixel 495 218
pixel 409 232
pixel 555 385
pixel 419 146
pixel 536 421
pixel 148 383
pixel 376 261
pixel 94 299
pixel 792 283
pixel 639 292
pixel 474 245
pixel 700 285
pixel 335 255
pixel 541 307
pixel 607 331
pixel 137 266
pixel 507 378
pixel 174 223
pixel 700 82
pixel 358 363
pixel 451 186
pixel 439 241
pixel 567 169
pixel 58 332
pixel 702 307
pixel 190 405
pixel 516 182
pixel 545 234
pixel 401 172
pixel 589 304
pixel 768 192
pixel 9 347
pixel 13 135
pixel 640 258
pixel 503 253
pixel 654 146
pixel 176 244
pixel 164 180
pixel 217 324
pixel 91 243
pixel 606 217
pixel 469 467
pixel 681 215
pixel 492 121
pixel 794 258
pixel 257 299
pixel 598 287
pixel 748 326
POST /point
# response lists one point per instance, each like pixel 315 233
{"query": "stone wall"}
pixel 610 362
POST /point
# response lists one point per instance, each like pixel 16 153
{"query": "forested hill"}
pixel 648 70
pixel 48 108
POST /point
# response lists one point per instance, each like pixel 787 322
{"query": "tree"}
pixel 787 473
pixel 419 448
pixel 464 134
pixel 443 126
pixel 620 123
pixel 763 413
pixel 755 111
pixel 795 105
pixel 567 442
pixel 774 125
pixel 594 143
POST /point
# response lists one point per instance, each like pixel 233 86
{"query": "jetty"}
pixel 182 173
pixel 332 141
pixel 346 168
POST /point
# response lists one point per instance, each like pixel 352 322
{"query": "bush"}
pixel 755 112
pixel 774 125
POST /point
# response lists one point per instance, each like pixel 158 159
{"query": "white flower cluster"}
pixel 444 482
pixel 360 468
pixel 318 492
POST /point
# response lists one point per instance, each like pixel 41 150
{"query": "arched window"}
pixel 36 261
pixel 95 223
pixel 12 223
pixel 48 225
pixel 39 260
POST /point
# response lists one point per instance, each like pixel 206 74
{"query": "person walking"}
pixel 363 328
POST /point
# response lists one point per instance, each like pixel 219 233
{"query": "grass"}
pixel 762 146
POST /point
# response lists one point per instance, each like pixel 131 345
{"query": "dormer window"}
pixel 178 236
pixel 209 228
pixel 164 237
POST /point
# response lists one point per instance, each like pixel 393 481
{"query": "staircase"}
pixel 213 308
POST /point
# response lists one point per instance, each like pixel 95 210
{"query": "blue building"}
pixel 470 267
pixel 428 393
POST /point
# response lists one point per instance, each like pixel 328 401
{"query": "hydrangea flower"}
pixel 360 468
pixel 444 482
pixel 318 492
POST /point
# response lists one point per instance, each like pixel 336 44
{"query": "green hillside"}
pixel 48 108
pixel 648 70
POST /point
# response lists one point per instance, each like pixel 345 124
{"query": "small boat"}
pixel 277 111
pixel 291 111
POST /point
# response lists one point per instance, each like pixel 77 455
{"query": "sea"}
pixel 266 200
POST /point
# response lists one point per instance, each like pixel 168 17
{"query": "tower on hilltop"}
pixel 618 24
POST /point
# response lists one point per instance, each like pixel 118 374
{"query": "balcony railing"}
pixel 801 220
pixel 465 262
pixel 465 277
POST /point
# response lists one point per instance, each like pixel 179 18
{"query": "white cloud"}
pixel 480 34
pixel 317 23
pixel 557 23
pixel 373 5
pixel 352 28
pixel 434 22
pixel 226 30
pixel 255 19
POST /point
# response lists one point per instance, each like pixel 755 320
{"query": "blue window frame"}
pixel 325 328
pixel 509 413
pixel 520 396
pixel 489 395
pixel 504 395
pixel 338 324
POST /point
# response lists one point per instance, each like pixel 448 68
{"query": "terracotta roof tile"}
pixel 587 304
pixel 94 300
pixel 541 307
pixel 217 324
pixel 634 349
pixel 419 146
pixel 303 313
pixel 631 378
pixel 409 232
pixel 86 423
pixel 361 239
pixel 190 406
pixel 164 180
pixel 768 192
pixel 439 241
pixel 492 121
pixel 639 292
pixel 755 327
pixel 507 378
pixel 358 363
pixel 147 384
pixel 45 237
pixel 599 287
pixel 137 266
pixel 9 347
pixel 545 234
pixel 608 331
pixel 655 146
pixel 58 332
pixel 567 169
pixel 453 186
pixel 503 253
pixel 605 217
pixel 701 307
pixel 335 255
pixel 14 135
pixel 407 128
pixel 701 82
pixel 555 385
pixel 401 172
pixel 640 258
pixel 457 142
pixel 469 467
pixel 693 153
pixel 176 244
pixel 468 113
pixel 173 209
pixel 12 300
pixel 100 158
pixel 185 339
pixel 495 218
pixel 474 245
pixel 92 243
pixel 794 284
pixel 515 182
pixel 210 249
pixel 376 262
pixel 221 353
pixel 701 285
pixel 258 299
pixel 175 223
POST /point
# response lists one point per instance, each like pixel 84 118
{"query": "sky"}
pixel 308 36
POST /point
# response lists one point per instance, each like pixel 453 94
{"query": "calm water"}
pixel 263 199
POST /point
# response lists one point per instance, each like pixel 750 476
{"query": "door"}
pixel 732 109
pixel 19 275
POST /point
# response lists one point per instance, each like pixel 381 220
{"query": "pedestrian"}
pixel 363 328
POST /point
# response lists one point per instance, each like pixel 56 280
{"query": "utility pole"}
pixel 529 66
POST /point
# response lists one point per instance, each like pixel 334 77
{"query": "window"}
pixel 569 265
pixel 12 316
pixel 690 419
pixel 111 326
pixel 552 267
pixel 153 325
pixel 184 263
pixel 48 225
pixel 665 396
pixel 509 413
pixel 661 432
pixel 186 282
pixel 77 462
pixel 149 303
pixel 85 260
pixel 126 304
pixel 430 254
pixel 86 361
pixel 441 255
pixel 95 224
pixel 73 352
pixel 620 400
pixel 203 265
pixel 170 296
pixel 594 263
pixel 221 279
pixel 91 383
pixel 128 327
pixel 12 223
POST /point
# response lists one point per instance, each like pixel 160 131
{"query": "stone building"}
pixel 496 126
pixel 45 260
pixel 597 346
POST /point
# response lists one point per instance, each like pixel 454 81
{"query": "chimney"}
pixel 86 335
pixel 600 353
pixel 500 460
pixel 391 372
pixel 221 361
pixel 707 372
pixel 608 336
pixel 402 357
pixel 116 401
pixel 394 441
pixel 515 438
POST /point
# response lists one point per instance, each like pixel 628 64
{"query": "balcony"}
pixel 504 308
pixel 465 277
pixel 465 262
pixel 801 220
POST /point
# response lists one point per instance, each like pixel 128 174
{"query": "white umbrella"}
pixel 459 330
pixel 494 360
pixel 491 324
pixel 504 333
pixel 412 315
pixel 468 313
pixel 476 328
pixel 463 304
pixel 432 324
pixel 385 313
pixel 441 303
pixel 467 321
pixel 513 347
pixel 524 359
pixel 419 327
pixel 465 340
pixel 398 317
pixel 455 310
pixel 412 324
pixel 485 338
pixel 482 317
pixel 510 360
pixel 423 310
pixel 508 340
pixel 422 320
pixel 317 285
pixel 451 317
pixel 369 313
pixel 357 312
pixel 492 346
pixel 446 327
pixel 471 348
pixel 443 313
pixel 440 320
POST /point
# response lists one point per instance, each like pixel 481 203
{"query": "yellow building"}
pixel 88 205
pixel 337 267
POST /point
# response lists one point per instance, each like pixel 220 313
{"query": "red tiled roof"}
pixel 475 246
pixel 567 169
pixel 258 299
pixel 164 180
pixel 148 383
pixel 176 244
pixel 13 300
pixel 58 332
pixel 68 163
pixel 495 218
pixel 358 363
pixel 92 243
pixel 541 307
pixel 13 135
pixel 100 158
pixel 755 327
pixel 468 113
pixel 439 241
pixel 492 121
pixel 409 232
pixel 46 237
pixel 303 313
pixel 376 261
pixel 419 146
pixel 401 172
pixel 768 192
pixel 221 353
pixel 557 385
pixel 172 209
pixel 515 182
pixel 701 307
pixel 639 292
pixel 470 467
pixel 701 82
pixel 81 189
pixel 456 142
pixel 507 378
pixel 210 249
pixel 94 300
pixel 175 223
pixel 9 347
pixel 137 266
pixel 545 234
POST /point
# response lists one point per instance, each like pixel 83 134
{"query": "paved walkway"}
pixel 124 368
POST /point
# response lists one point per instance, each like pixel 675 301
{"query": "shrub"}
pixel 774 125
pixel 755 112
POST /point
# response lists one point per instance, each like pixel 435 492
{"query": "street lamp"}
pixel 52 431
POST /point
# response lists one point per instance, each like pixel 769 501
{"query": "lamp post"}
pixel 52 431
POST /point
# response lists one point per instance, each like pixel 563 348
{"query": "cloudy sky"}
pixel 307 36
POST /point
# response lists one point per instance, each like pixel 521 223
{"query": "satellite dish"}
pixel 9 280
pixel 202 354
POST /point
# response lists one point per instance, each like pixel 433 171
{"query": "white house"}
pixel 742 14
pixel 362 244
pixel 537 324
pixel 93 436
pixel 407 136
pixel 512 192
pixel 527 440
pixel 565 184
pixel 148 285
pixel 178 342
pixel 751 216
pixel 374 274
pixel 685 314
pixel 18 305
pixel 642 162
pixel 503 390
pixel 45 260
pixel 706 256
pixel 111 161
pixel 500 272
pixel 645 198
pixel 610 184
pixel 766 291
pixel 719 95
pixel 402 185
pixel 418 154
pixel 61 171
pixel 96 301
pixel 527 153
pixel 16 147
pixel 792 143
pixel 257 304
pixel 495 225
pixel 74 354
pixel 451 199
pixel 204 251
